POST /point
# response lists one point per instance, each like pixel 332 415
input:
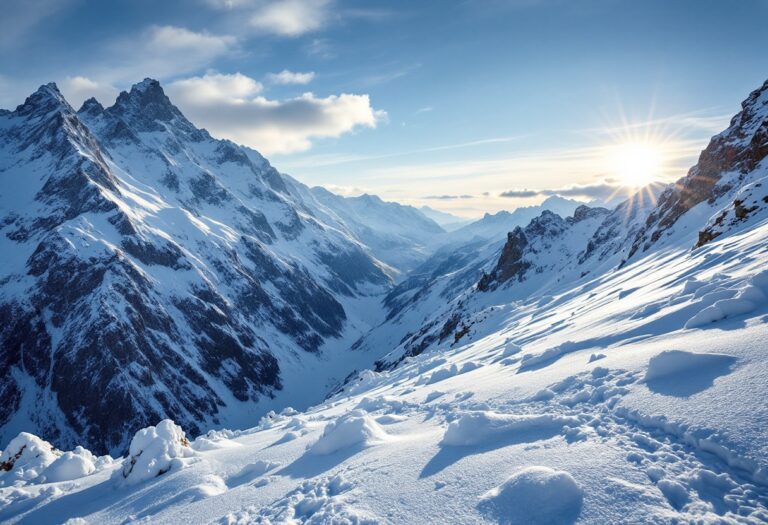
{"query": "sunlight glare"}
pixel 637 164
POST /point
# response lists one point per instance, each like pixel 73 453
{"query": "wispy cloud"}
pixel 448 197
pixel 290 77
pixel 291 18
pixel 230 106
pixel 20 17
pixel 601 191
pixel 337 159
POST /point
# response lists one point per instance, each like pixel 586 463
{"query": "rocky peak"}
pixel 738 149
pixel 91 108
pixel 46 99
pixel 147 106
pixel 584 212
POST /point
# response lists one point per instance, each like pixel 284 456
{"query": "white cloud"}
pixel 216 88
pixel 169 43
pixel 230 106
pixel 291 77
pixel 344 191
pixel 162 52
pixel 291 17
pixel 77 89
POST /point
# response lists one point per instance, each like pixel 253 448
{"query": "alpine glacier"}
pixel 606 366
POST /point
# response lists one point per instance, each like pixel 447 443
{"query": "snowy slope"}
pixel 620 418
pixel 583 381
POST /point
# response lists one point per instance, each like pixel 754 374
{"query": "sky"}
pixel 467 106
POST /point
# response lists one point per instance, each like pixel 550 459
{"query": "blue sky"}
pixel 446 103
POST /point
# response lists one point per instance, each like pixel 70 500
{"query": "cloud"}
pixel 291 77
pixel 161 52
pixel 602 191
pixel 523 194
pixel 212 88
pixel 182 49
pixel 345 191
pixel 320 48
pixel 20 17
pixel 230 106
pixel 448 197
pixel 77 89
pixel 291 17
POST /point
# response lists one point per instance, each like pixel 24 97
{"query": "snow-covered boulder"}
pixel 535 496
pixel 25 458
pixel 156 450
pixel 71 465
pixel 354 428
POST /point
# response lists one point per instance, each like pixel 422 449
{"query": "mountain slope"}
pixel 395 234
pixel 581 386
pixel 581 382
pixel 151 270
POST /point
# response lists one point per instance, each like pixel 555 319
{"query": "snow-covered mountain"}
pixel 605 367
pixel 447 221
pixel 150 270
pixel 495 226
pixel 395 234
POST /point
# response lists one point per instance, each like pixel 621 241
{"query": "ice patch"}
pixel 535 496
pixel 354 428
pixel 154 451
pixel 474 428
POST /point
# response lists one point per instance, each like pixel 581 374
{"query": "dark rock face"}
pixel 152 290
pixel 510 262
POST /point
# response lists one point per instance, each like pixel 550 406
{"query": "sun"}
pixel 637 164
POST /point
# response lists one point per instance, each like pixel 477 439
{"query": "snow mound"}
pixel 678 362
pixel 25 458
pixel 474 428
pixel 746 300
pixel 71 465
pixel 387 403
pixel 156 450
pixel 534 361
pixel 536 496
pixel 354 428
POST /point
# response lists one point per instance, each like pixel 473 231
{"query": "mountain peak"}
pixel 146 104
pixel 47 98
pixel 91 107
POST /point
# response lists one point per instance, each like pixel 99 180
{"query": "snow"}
pixel 603 391
pixel 355 428
pixel 25 458
pixel 71 465
pixel 474 428
pixel 155 451
pixel 537 496
pixel 677 365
